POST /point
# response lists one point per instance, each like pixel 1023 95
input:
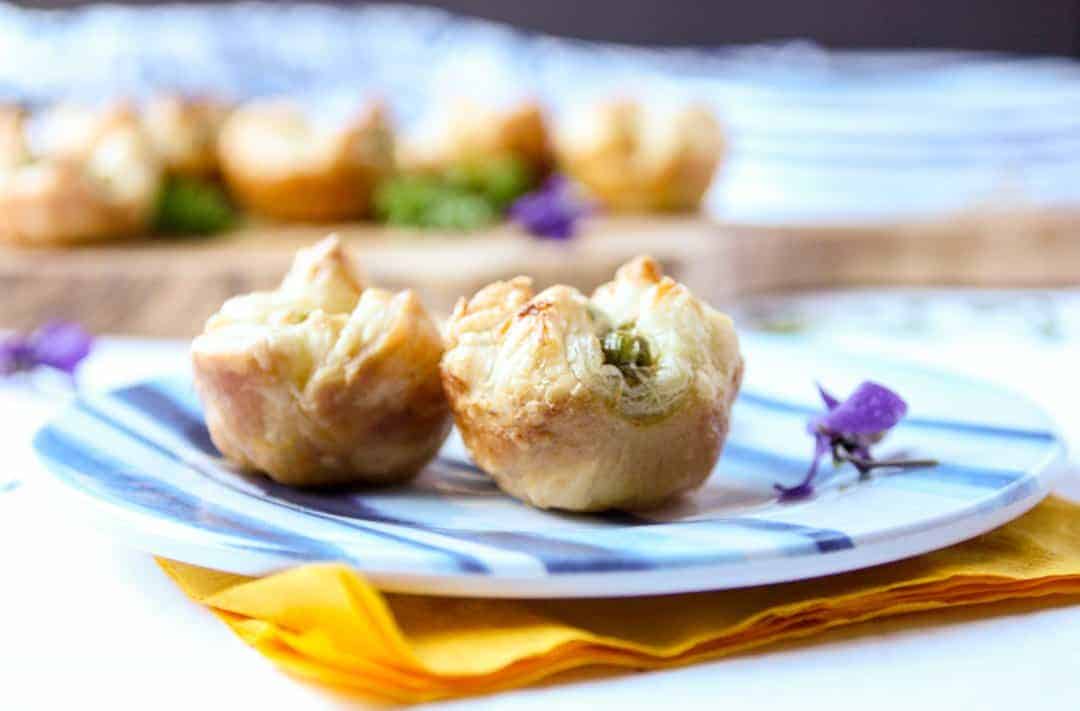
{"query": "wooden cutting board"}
pixel 162 287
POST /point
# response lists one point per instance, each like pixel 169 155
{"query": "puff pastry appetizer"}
pixel 184 132
pixel 638 159
pixel 279 162
pixel 323 381
pixel 618 401
pixel 85 183
pixel 467 133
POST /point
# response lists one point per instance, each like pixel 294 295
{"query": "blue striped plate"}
pixel 139 463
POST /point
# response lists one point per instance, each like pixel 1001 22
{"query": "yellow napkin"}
pixel 326 623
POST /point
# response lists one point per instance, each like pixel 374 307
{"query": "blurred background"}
pixel 1045 28
pixel 903 171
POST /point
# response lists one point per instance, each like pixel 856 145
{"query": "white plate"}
pixel 138 462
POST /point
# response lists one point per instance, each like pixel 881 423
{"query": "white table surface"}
pixel 87 623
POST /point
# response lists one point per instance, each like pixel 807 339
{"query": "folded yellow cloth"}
pixel 326 623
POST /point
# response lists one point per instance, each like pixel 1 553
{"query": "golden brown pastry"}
pixel 466 133
pixel 638 159
pixel 184 132
pixel 323 381
pixel 85 183
pixel 279 162
pixel 618 401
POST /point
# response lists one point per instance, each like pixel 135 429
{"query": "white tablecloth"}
pixel 87 623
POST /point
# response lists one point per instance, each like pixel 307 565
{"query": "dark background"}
pixel 1025 26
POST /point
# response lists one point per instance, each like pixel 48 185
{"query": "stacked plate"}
pixel 827 137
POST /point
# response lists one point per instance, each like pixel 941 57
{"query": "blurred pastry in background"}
pixel 618 401
pixel 82 177
pixel 282 162
pixel 638 158
pixel 466 134
pixel 184 132
pixel 73 130
pixel 323 381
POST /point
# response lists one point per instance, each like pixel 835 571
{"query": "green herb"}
pixel 192 206
pixel 411 201
pixel 465 198
pixel 462 211
pixel 500 180
pixel 627 351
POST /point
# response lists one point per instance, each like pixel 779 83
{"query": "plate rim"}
pixel 575 585
pixel 161 536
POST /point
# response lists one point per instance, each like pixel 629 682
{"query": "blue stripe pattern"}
pixel 95 472
pixel 145 448
pixel 462 562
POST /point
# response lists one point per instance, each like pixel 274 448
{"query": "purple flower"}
pixel 848 430
pixel 551 211
pixel 871 409
pixel 58 344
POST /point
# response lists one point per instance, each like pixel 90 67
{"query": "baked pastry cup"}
pixel 103 188
pixel 619 401
pixel 323 381
pixel 279 162
pixel 468 134
pixel 637 159
pixel 184 132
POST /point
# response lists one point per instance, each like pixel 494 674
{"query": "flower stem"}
pixel 869 464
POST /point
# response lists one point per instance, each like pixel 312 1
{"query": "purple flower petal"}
pixel 830 401
pixel 58 344
pixel 551 211
pixel 815 425
pixel 849 429
pixel 61 345
pixel 804 488
pixel 14 353
pixel 871 409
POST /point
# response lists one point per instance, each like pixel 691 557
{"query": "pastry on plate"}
pixel 466 134
pixel 324 380
pixel 80 183
pixel 184 132
pixel 280 162
pixel 635 158
pixel 618 401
